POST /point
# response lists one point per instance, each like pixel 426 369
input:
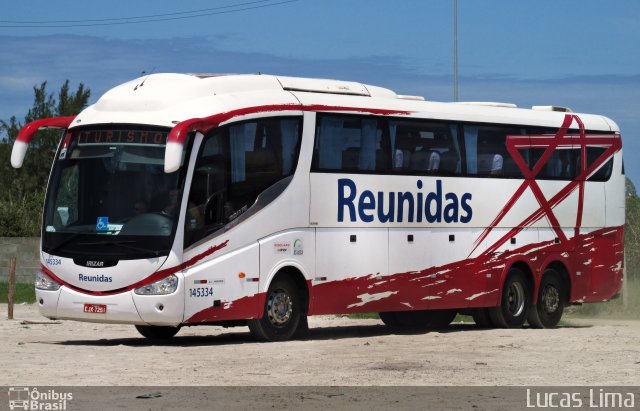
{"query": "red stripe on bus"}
pixel 27 132
pixel 468 283
pixel 180 131
pixel 158 275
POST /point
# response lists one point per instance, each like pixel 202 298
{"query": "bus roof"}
pixel 166 99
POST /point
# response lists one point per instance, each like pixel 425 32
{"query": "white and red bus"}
pixel 180 200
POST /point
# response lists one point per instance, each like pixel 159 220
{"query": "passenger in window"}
pixel 195 217
pixel 194 213
pixel 402 154
pixel 496 165
pixel 172 205
pixel 434 162
pixel 140 207
pixel 397 159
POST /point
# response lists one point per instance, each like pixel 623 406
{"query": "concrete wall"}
pixel 27 253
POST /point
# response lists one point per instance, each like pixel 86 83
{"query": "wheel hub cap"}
pixel 515 299
pixel 550 299
pixel 279 308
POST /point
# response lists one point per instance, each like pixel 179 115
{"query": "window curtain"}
pixel 471 148
pixel 456 146
pixel 393 126
pixel 289 133
pixel 526 154
pixel 396 158
pixel 368 136
pixel 241 140
pixel 330 144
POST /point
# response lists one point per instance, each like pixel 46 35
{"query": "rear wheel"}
pixel 481 318
pixel 550 304
pixel 282 313
pixel 515 303
pixel 157 333
pixel 440 318
pixel 389 319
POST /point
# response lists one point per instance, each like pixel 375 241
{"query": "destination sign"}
pixel 86 137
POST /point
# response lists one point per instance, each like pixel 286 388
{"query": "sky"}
pixel 583 54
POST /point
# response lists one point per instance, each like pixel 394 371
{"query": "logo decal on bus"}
pixel 102 224
pixel 95 278
pixel 432 207
pixel 281 247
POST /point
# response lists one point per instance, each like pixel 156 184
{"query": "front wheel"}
pixel 282 313
pixel 157 333
pixel 550 304
pixel 515 303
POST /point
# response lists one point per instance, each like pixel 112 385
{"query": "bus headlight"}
pixel 44 282
pixel 165 286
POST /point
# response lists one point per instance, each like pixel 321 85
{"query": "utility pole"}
pixel 455 50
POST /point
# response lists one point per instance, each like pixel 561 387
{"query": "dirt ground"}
pixel 337 352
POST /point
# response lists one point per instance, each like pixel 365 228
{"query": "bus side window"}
pixel 350 144
pixel 487 154
pixel 604 172
pixel 204 206
pixel 425 148
pixel 235 164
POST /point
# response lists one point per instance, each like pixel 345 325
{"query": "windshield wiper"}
pixel 73 236
pixel 66 241
pixel 125 244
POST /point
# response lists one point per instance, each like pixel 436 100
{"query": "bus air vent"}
pixel 405 97
pixel 553 108
pixel 323 86
pixel 486 103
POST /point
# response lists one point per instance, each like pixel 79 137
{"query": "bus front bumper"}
pixel 122 308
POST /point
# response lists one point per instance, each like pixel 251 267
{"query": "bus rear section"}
pixel 512 223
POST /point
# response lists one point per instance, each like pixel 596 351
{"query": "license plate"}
pixel 95 308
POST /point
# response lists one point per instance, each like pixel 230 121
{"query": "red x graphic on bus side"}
pixel 550 142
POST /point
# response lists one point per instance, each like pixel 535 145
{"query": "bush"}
pixel 614 308
pixel 22 218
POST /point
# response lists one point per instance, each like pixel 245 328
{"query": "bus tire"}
pixel 389 319
pixel 303 327
pixel 481 318
pixel 422 319
pixel 282 313
pixel 157 333
pixel 440 318
pixel 515 302
pixel 550 304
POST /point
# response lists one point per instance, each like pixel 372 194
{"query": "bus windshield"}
pixel 109 195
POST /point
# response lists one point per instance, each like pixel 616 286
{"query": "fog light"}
pixel 44 282
pixel 165 286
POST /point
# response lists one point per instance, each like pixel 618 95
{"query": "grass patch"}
pixel 25 293
pixel 614 309
pixel 363 316
pixel 460 318
pixel 375 316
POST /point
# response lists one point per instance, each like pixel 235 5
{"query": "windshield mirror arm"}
pixel 178 137
pixel 28 131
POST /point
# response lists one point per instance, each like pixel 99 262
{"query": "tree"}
pixel 632 232
pixel 630 188
pixel 22 193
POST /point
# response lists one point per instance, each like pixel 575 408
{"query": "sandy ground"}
pixel 336 352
